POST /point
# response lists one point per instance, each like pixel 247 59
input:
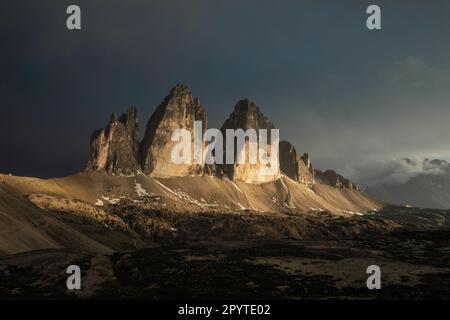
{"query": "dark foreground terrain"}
pixel 414 265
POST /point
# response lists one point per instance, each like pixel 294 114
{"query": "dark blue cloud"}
pixel 335 89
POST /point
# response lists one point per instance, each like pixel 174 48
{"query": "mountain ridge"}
pixel 129 194
pixel 179 110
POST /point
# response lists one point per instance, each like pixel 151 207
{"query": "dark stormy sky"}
pixel 353 98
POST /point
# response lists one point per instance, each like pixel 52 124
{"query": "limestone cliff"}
pixel 179 110
pixel 246 115
pixel 115 148
pixel 335 180
pixel 295 167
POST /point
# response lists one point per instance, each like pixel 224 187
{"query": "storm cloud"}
pixel 397 171
pixel 348 96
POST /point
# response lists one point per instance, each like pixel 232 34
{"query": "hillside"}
pixel 75 211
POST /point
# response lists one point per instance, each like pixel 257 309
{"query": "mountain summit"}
pixel 116 149
pixel 295 167
pixel 131 193
pixel 246 115
pixel 179 110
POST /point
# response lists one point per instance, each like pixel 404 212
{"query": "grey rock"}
pixel 335 180
pixel 246 115
pixel 115 148
pixel 179 110
pixel 295 167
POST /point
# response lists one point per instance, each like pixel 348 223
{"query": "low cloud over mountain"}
pixel 413 181
pixel 397 170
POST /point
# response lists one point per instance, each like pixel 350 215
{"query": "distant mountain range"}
pixel 427 187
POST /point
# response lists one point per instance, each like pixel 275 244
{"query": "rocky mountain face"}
pixel 295 167
pixel 115 148
pixel 335 180
pixel 246 115
pixel 178 110
pixel 300 169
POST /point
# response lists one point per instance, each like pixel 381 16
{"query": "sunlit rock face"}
pixel 179 110
pixel 115 148
pixel 246 115
pixel 295 167
pixel 300 169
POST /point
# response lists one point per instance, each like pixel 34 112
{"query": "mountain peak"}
pixel 179 110
pixel 180 90
pixel 130 115
pixel 247 115
pixel 330 177
pixel 295 167
pixel 115 148
pixel 245 105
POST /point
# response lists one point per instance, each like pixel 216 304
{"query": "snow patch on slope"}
pixel 141 192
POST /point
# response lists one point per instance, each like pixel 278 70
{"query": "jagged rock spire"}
pixel 179 110
pixel 295 167
pixel 335 180
pixel 247 115
pixel 115 148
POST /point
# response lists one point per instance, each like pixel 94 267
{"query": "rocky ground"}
pixel 417 269
pixel 248 255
